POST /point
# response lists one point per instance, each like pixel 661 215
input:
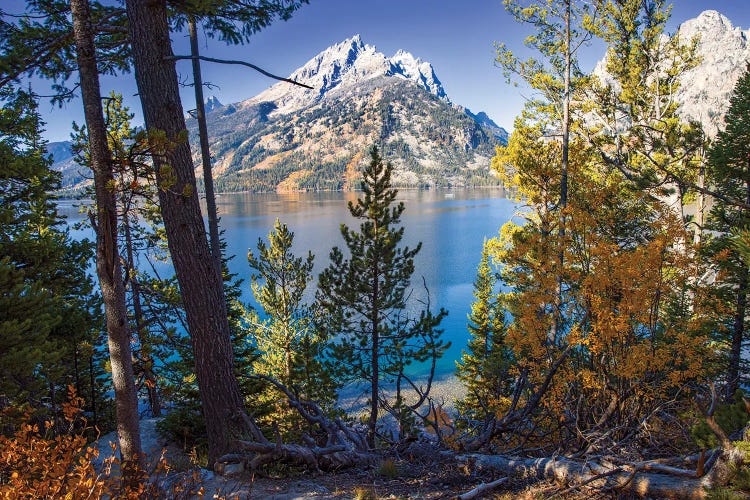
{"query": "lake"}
pixel 451 224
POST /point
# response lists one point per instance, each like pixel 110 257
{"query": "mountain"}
pixel 291 138
pixel 212 103
pixel 725 53
pixel 74 176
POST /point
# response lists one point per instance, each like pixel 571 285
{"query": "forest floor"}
pixel 430 475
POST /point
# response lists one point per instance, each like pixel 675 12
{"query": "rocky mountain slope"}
pixel 291 138
pixel 725 54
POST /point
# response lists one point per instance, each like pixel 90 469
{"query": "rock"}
pixel 229 469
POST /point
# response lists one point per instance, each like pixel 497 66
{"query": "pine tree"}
pixel 49 314
pixel 291 349
pixel 134 201
pixel 728 172
pixel 363 297
pixel 483 367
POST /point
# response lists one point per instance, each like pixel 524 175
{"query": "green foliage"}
pixel 636 128
pixel 731 417
pixel 738 486
pixel 50 316
pixel 362 298
pixel 234 22
pixel 483 367
pixel 290 348
pixel 546 75
pixel 728 173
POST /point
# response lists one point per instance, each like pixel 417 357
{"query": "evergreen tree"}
pixel 363 297
pixel 728 172
pixel 483 367
pixel 291 349
pixel 147 46
pixel 50 318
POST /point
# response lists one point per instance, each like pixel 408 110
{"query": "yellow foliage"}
pixel 621 275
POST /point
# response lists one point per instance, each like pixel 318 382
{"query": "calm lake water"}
pixel 450 224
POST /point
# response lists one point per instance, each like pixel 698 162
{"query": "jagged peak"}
pixel 709 23
pixel 350 63
pixel 212 103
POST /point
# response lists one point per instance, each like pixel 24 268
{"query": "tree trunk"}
pixel 701 205
pixel 374 358
pixel 555 333
pixel 107 256
pixel 147 360
pixel 200 283
pixel 738 334
pixel 208 178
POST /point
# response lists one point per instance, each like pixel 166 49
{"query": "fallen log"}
pixel 328 458
pixel 635 482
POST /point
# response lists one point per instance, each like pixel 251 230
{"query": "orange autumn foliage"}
pixel 610 307
pixel 50 464
pixel 38 464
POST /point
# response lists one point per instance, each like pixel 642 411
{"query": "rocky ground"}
pixel 421 474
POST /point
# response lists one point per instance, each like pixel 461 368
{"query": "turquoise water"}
pixel 450 224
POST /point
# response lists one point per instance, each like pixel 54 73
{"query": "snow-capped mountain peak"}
pixel 212 103
pixel 404 64
pixel 349 63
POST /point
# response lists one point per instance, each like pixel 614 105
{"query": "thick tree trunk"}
pixel 200 283
pixel 107 257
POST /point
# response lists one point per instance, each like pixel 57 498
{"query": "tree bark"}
pixel 200 283
pixel 738 334
pixel 208 178
pixel 108 267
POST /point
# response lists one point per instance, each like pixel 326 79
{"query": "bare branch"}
pixel 241 63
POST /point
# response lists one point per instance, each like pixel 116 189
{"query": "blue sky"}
pixel 457 37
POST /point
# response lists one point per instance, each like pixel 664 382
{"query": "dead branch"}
pixel 242 63
pixel 481 490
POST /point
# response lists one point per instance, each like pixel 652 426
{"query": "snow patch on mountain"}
pixel 212 103
pixel 348 64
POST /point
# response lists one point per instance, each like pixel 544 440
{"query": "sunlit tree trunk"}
pixel 108 266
